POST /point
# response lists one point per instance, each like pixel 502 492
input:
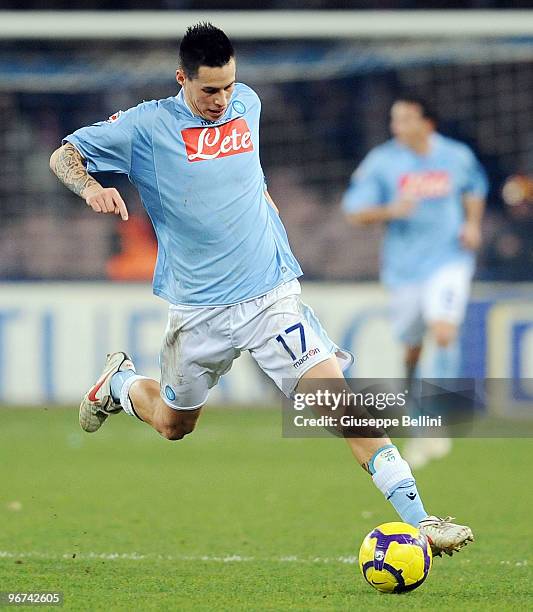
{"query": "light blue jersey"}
pixel 417 246
pixel 201 182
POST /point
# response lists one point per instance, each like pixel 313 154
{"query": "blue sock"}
pixel 117 380
pixel 446 361
pixel 445 365
pixel 392 475
pixel 407 503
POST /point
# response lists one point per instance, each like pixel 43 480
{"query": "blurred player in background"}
pixel 224 263
pixel 430 192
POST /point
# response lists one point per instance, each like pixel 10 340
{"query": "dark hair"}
pixel 426 109
pixel 204 45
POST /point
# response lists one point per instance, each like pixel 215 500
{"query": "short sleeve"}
pixel 107 145
pixel 475 177
pixel 366 187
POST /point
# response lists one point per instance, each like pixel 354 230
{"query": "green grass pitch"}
pixel 235 517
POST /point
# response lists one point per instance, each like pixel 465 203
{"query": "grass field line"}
pixel 135 556
pixel 229 558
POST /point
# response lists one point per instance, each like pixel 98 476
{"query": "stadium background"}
pixel 68 274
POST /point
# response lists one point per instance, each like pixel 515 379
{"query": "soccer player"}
pixel 224 262
pixel 430 192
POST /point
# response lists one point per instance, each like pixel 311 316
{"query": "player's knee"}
pixel 172 433
pixel 442 340
pixel 176 432
pixel 444 335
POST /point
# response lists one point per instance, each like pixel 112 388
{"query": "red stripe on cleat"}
pixel 91 396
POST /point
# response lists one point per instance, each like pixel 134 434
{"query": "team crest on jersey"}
pixel 238 107
pixel 426 185
pixel 232 138
pixel 114 116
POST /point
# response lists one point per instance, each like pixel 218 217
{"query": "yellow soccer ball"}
pixel 395 558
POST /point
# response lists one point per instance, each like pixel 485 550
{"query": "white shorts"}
pixel 282 334
pixel 441 297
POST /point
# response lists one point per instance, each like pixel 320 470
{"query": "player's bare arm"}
pixel 68 165
pixel 471 230
pixel 382 214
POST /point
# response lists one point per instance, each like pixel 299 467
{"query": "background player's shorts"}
pixel 282 334
pixel 441 297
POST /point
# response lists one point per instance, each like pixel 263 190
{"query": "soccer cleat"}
pixel 444 536
pixel 98 403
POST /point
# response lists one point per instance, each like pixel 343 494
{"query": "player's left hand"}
pixel 471 236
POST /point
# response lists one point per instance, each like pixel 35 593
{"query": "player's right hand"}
pixel 106 200
pixel 402 208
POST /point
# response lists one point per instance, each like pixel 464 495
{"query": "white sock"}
pixel 125 401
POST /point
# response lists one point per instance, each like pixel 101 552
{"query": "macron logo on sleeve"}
pixel 212 142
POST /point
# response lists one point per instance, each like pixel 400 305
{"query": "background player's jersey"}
pixel 417 246
pixel 201 182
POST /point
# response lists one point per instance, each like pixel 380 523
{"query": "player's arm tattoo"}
pixel 70 170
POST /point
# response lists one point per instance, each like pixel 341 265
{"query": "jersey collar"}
pixel 434 142
pixel 185 109
pixel 183 106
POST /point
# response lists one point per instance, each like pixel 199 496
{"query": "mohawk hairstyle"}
pixel 204 45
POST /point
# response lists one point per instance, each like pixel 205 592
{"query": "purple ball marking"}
pixel 398 575
pixel 383 542
pixel 427 558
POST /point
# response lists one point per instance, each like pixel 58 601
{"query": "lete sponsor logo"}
pixel 231 138
pixel 433 184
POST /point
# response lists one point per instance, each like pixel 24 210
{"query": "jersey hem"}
pixel 167 298
pixel 466 258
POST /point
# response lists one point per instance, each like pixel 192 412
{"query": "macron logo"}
pixel 305 357
pixel 206 143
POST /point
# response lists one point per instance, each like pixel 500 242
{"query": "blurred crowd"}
pixel 314 133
